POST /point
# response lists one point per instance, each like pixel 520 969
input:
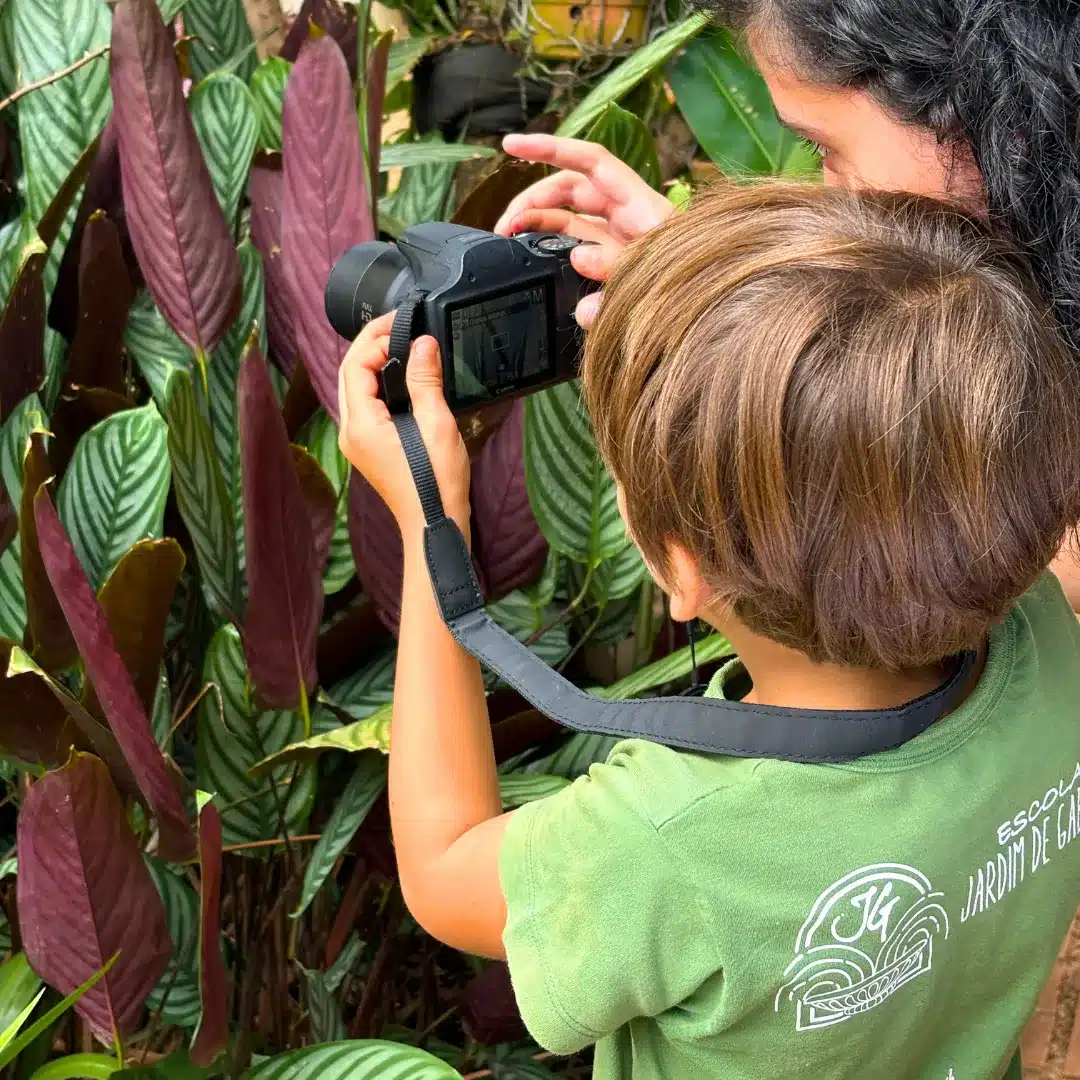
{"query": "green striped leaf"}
pixel 234 735
pixel 27 418
pixel 157 350
pixel 322 441
pixel 224 37
pixel 366 784
pixel 430 152
pixel 618 576
pixel 181 978
pixel 572 494
pixel 623 78
pixel 203 496
pixel 628 137
pixel 519 788
pixel 14 237
pixel 371 733
pixel 171 8
pixel 423 193
pixel 223 112
pixel 268 89
pixel 367 689
pixel 361 1059
pixel 58 122
pixel 9 61
pixel 575 756
pixel 113 493
pixel 161 714
pixel 405 54
pixel 675 666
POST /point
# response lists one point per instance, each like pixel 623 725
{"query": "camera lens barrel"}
pixel 367 281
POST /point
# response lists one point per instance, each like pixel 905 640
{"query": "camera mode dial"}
pixel 555 245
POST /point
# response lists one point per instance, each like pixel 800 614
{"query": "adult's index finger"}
pixel 576 155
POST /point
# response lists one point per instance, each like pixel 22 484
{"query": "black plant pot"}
pixel 475 90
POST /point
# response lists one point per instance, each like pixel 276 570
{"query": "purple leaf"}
pixel 105 298
pixel 266 188
pixel 321 502
pixel 22 332
pixel 85 894
pixel 112 684
pixel 489 1009
pixel 285 592
pixel 507 541
pixel 212 1036
pixel 48 637
pixel 325 210
pixel 376 544
pixel 177 227
pixel 136 598
pixel 332 19
pixel 376 96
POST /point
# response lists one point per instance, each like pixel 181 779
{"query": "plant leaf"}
pixel 728 107
pixel 105 298
pixel 157 350
pixel 628 74
pixel 267 191
pixel 321 500
pixel 113 493
pixel 367 1059
pixel 377 549
pixel 509 545
pixel 627 137
pixel 322 441
pixel 518 788
pixel 182 1007
pixel 212 1035
pixel 484 205
pixel 571 492
pixel 74 1066
pixel 662 672
pixel 136 598
pixel 617 577
pixel 14 443
pixel 42 1024
pixel 283 573
pixel 326 208
pixel 337 21
pixel 372 733
pixel 430 152
pixel 113 685
pixel 58 122
pixel 405 54
pixel 202 496
pixel 268 88
pixel 85 894
pixel 42 722
pixel 423 193
pixel 366 690
pixel 19 987
pixel 223 36
pixel 232 737
pixel 366 784
pixel 375 97
pixel 22 331
pixel 324 1012
pixel 48 635
pixel 223 112
pixel 177 227
pixel 575 756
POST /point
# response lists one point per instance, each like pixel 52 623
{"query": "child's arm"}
pixel 445 810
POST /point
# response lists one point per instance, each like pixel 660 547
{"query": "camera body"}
pixel 502 310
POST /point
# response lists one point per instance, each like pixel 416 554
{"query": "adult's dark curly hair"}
pixel 1001 75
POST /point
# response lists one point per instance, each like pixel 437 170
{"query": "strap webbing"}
pixel 705 725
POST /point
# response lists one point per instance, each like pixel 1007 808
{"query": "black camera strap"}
pixel 706 725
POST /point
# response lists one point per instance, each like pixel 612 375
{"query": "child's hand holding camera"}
pixel 369 439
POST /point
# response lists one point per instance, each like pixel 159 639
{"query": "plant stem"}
pixel 56 76
pixel 200 359
pixel 305 710
pixel 282 841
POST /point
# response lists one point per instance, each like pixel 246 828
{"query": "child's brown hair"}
pixel 854 411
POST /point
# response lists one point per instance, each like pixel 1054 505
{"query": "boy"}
pixel 844 432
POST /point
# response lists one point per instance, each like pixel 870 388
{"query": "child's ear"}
pixel 689 592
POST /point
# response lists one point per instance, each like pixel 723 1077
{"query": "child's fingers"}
pixel 561 221
pixel 376 329
pixel 424 378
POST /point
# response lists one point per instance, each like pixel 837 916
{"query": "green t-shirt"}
pixel 897 917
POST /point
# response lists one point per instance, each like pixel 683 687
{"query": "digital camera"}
pixel 502 310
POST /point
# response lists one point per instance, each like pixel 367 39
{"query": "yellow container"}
pixel 560 30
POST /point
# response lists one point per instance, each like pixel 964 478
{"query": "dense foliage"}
pixel 198 601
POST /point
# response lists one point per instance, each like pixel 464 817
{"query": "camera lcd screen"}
pixel 501 343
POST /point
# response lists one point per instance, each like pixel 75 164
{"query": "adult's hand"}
pixel 594 196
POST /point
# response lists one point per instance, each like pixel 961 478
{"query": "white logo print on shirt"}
pixel 865 937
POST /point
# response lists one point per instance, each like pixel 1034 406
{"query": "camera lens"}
pixel 365 283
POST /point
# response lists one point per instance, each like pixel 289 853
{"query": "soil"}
pixel 1051 1045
